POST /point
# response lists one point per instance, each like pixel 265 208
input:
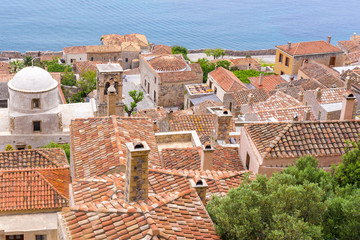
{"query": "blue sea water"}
pixel 231 24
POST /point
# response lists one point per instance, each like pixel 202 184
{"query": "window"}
pixel 107 85
pixel 126 59
pixel 287 60
pixel 40 237
pixel 210 84
pixel 215 90
pixel 282 73
pixel 37 126
pixel 15 237
pixel 154 96
pixel 155 79
pixel 3 103
pixel 148 88
pixel 35 103
pixel 332 61
pixel 319 116
pixel 71 60
pixel 230 107
pixel 280 58
pixel 114 58
pixel 92 59
pixel 247 161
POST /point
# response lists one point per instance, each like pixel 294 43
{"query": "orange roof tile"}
pixel 269 82
pixel 332 95
pixel 4 68
pixel 285 114
pixel 305 48
pixel 227 80
pixel 168 63
pixel 161 49
pixel 350 45
pixel 75 49
pixel 279 100
pixel 242 97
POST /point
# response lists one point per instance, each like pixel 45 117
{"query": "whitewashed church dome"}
pixel 32 79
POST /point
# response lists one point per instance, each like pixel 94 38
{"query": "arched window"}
pixel 107 85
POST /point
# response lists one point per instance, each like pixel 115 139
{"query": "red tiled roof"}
pixel 201 108
pixel 353 57
pixel 35 179
pixel 285 114
pixel 242 97
pixel 75 50
pixel 313 47
pixel 269 82
pixel 332 95
pixel 296 139
pixel 161 49
pixel 112 39
pixel 227 80
pixel 4 68
pixel 279 100
pixel 192 76
pixel 86 66
pixel 99 143
pixel 350 45
pixel 168 63
pixel 154 114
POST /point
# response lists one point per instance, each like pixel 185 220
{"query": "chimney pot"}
pixel 307 114
pixel 261 78
pixel 348 83
pixel 207 156
pixel 329 39
pixel 296 118
pixel 348 107
pixel 289 46
pixel 200 186
pixel 301 96
pixel 251 99
pixel 318 93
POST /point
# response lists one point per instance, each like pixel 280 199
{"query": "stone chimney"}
pixel 207 156
pixel 137 171
pixel 261 79
pixel 295 118
pixel 222 125
pixel 111 101
pixel 292 78
pixel 170 114
pixel 200 186
pixel 329 39
pixel 301 97
pixel 318 93
pixel 348 83
pixel 307 115
pixel 348 105
pixel 251 99
pixel 289 46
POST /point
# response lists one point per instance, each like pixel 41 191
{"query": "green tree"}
pixel 68 78
pixel 87 81
pixel 65 147
pixel 28 61
pixel 180 50
pixel 215 52
pixel 16 66
pixel 301 202
pixel 137 97
pixel 223 63
pixel 348 172
pixel 55 66
pixel 9 148
pixel 206 67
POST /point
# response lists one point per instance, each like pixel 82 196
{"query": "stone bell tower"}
pixel 109 77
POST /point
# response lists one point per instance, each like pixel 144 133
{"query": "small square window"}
pixel 37 126
pixel 280 58
pixel 126 59
pixel 40 237
pixel 35 103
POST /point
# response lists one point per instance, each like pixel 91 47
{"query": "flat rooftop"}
pixel 199 89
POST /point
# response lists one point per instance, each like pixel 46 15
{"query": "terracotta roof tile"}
pixel 279 100
pixel 100 143
pixel 296 139
pixel 242 97
pixel 227 80
pixel 285 114
pixel 201 108
pixel 4 68
pixel 161 49
pixel 168 63
pixel 313 47
pixel 269 82
pixel 350 45
pixel 112 39
pixel 75 50
pixel 103 49
pixel 353 57
pixel 154 114
pixel 86 66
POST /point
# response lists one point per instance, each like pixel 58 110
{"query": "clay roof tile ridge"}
pixel 273 143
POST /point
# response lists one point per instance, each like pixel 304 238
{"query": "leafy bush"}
pixel 65 147
pixel 243 75
pixel 180 50
pixel 68 78
pixel 9 148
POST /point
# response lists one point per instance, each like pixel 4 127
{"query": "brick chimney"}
pixel 348 83
pixel 289 46
pixel 318 93
pixel 200 186
pixel 222 124
pixel 207 156
pixel 307 115
pixel 348 105
pixel 137 171
pixel 261 79
pixel 251 99
pixel 111 101
pixel 301 97
pixel 329 39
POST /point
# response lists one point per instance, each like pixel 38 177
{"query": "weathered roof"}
pixel 4 68
pixel 99 143
pixel 103 49
pixel 305 48
pixel 296 139
pixel 130 47
pixel 154 114
pixel 168 63
pixel 75 50
pixel 112 39
pixel 192 76
pixel 86 66
pixel 279 100
pixel 242 97
pixel 350 45
pixel 33 180
pixel 332 95
pixel 109 67
pixel 161 49
pixel 285 114
pixel 227 80
pixel 201 108
pixel 269 82
pixel 137 38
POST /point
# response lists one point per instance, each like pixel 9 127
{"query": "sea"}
pixel 230 24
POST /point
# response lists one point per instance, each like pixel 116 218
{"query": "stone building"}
pixel 34 186
pixel 352 49
pixel 109 97
pixel 36 113
pixel 164 77
pixel 241 63
pixel 290 57
pixel 104 53
pixel 266 148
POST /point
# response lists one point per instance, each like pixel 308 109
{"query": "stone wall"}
pixel 240 53
pixel 34 140
pixel 129 56
pixel 17 54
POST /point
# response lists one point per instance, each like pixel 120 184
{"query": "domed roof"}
pixel 32 79
pixel 168 63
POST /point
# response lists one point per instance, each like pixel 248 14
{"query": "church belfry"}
pixel 109 76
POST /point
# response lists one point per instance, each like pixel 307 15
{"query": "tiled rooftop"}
pixel 242 97
pixel 154 114
pixel 75 49
pixel 227 80
pixel 350 45
pixel 201 108
pixel 86 66
pixel 269 82
pixel 168 63
pixel 195 74
pixel 103 49
pixel 112 39
pixel 161 49
pixel 99 143
pixel 195 89
pixel 285 114
pixel 332 95
pixel 313 47
pixel 296 139
pixel 279 100
pixel 34 180
pixel 4 68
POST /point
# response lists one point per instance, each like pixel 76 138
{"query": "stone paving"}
pixel 133 83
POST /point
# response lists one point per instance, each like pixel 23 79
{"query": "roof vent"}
pixel 225 111
pixel 207 145
pixel 199 183
pixel 138 145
